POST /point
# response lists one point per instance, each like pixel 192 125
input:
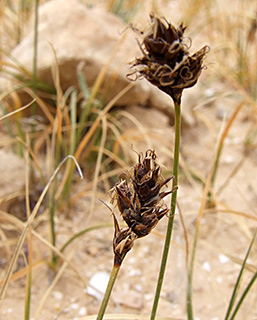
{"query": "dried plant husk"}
pixel 139 198
pixel 166 61
pixel 123 241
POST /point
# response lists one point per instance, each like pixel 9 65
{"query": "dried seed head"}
pixel 139 198
pixel 166 61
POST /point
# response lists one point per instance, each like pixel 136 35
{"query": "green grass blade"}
pixel 234 293
pixel 81 233
pixel 247 289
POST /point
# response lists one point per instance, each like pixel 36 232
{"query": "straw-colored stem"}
pixel 173 207
pixel 113 276
pixel 221 144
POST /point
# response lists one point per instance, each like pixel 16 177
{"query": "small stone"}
pixel 82 311
pixel 223 258
pixel 74 306
pixel 97 285
pixel 58 295
pixel 206 266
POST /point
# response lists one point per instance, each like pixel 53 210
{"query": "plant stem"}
pixel 35 56
pixel 113 276
pixel 190 315
pixel 177 108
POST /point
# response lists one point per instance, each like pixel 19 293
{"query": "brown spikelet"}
pixel 123 241
pixel 139 198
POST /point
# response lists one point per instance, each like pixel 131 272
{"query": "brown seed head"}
pixel 139 198
pixel 166 61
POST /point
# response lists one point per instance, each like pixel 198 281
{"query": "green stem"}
pixel 113 276
pixel 190 315
pixel 177 108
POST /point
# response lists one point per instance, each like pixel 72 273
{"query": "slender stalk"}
pixel 28 210
pixel 190 314
pixel 173 208
pixel 113 276
pixel 35 55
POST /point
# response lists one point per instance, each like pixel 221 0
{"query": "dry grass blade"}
pixel 221 141
pixel 28 224
pixel 197 227
pixel 95 125
pixel 140 127
pixel 20 225
pixel 51 287
pixel 231 211
pixel 90 133
pixel 89 185
pixel 17 110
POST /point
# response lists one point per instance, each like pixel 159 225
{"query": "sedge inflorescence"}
pixel 166 61
pixel 139 202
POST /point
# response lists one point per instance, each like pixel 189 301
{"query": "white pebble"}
pixel 134 272
pixel 97 285
pixel 206 266
pixel 74 306
pixel 58 295
pixel 223 258
pixel 82 311
pixel 209 93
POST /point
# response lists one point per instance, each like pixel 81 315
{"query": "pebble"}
pixel 206 266
pixel 98 284
pixel 58 295
pixel 82 311
pixel 223 258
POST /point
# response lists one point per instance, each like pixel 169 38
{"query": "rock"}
pixel 89 38
pixel 97 285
